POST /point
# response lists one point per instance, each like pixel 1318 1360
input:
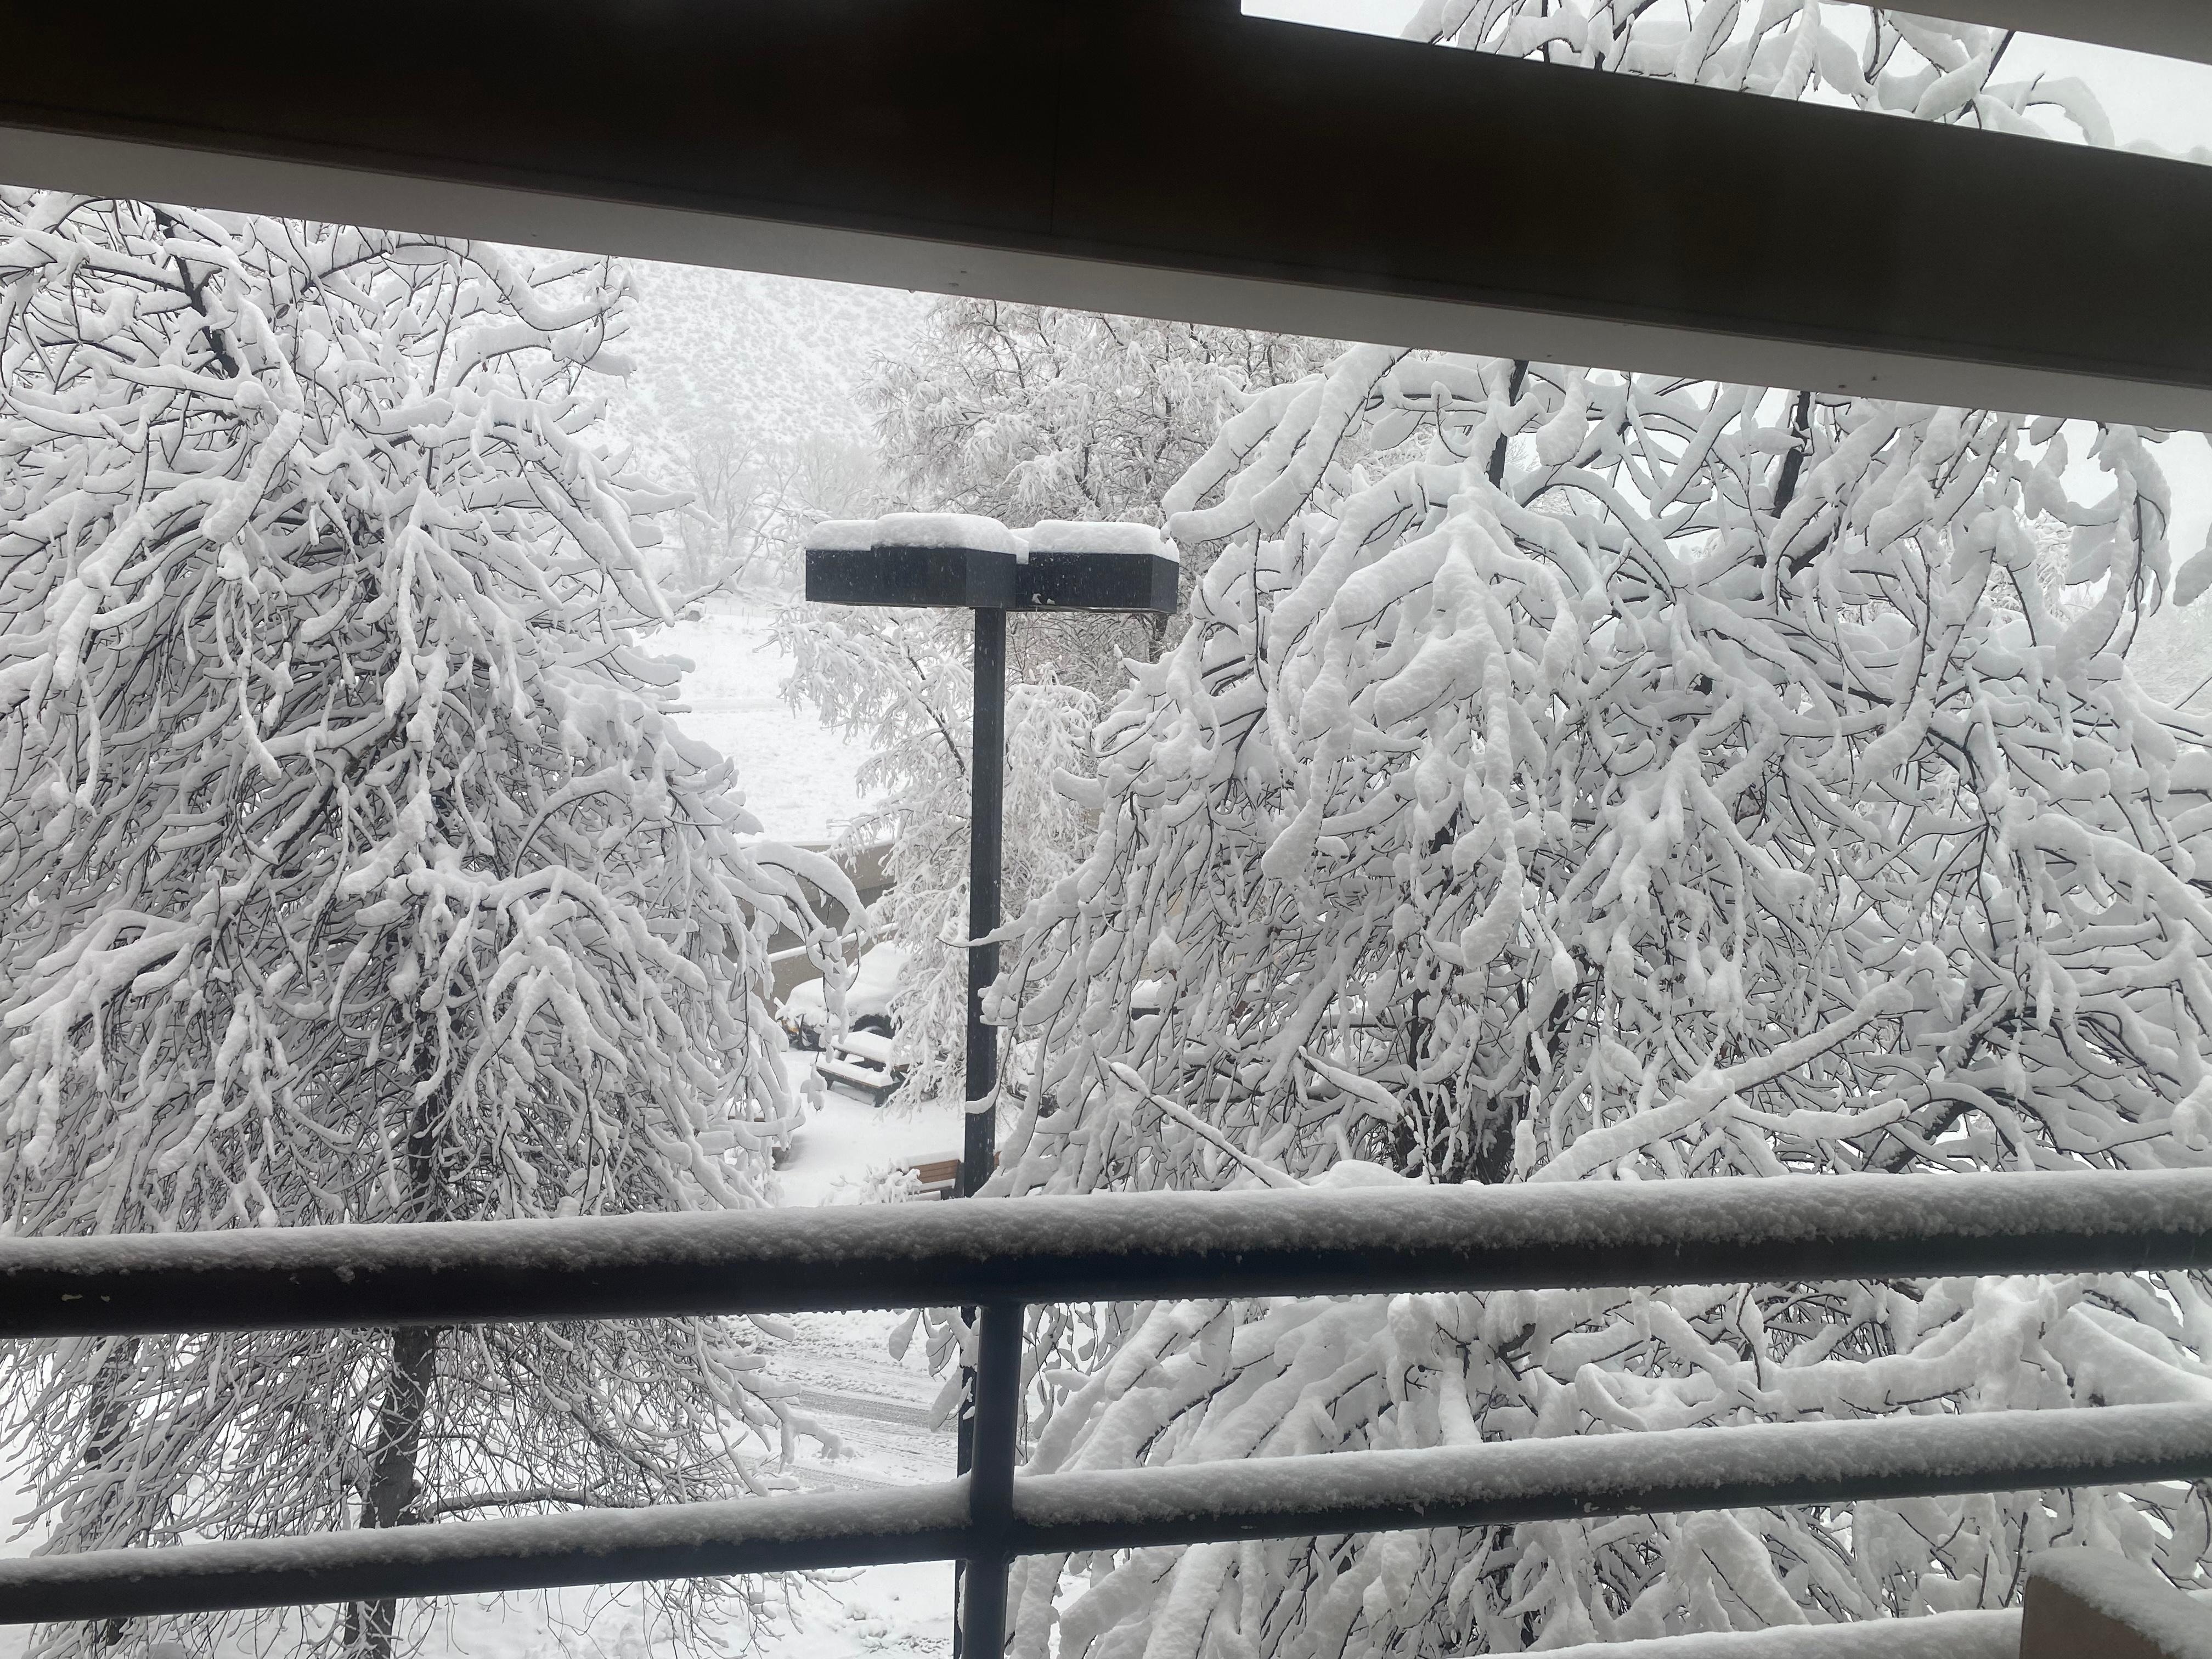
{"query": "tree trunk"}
pixel 389 1500
pixel 111 1428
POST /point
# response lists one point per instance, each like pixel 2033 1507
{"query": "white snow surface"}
pixel 1075 536
pixel 796 776
pixel 874 984
pixel 1992 1635
pixel 967 530
pixel 1526 1233
pixel 846 1146
pixel 2139 1597
pixel 1639 1470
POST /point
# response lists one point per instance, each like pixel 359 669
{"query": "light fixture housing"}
pixel 936 561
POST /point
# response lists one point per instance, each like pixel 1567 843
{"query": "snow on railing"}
pixel 998 1255
pixel 1109 1248
pixel 1978 1635
pixel 1492 1485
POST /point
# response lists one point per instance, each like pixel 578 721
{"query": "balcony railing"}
pixel 998 1255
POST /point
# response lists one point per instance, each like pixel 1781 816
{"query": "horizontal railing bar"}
pixel 1110 1248
pixel 543 1551
pixel 1503 1482
pixel 1329 1493
pixel 1991 1633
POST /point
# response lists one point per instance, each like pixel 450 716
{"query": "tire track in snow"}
pixel 867 1410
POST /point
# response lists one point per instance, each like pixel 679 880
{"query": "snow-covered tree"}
pixel 2171 655
pixel 1568 775
pixel 725 540
pixel 1022 414
pixel 753 499
pixel 1025 413
pixel 901 682
pixel 356 871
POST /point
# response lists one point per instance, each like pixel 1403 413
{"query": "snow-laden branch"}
pixel 1568 775
pixel 355 867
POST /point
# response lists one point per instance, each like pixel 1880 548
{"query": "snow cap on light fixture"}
pixel 948 560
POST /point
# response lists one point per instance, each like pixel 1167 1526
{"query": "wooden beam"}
pixel 1172 160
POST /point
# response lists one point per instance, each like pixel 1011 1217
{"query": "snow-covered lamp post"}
pixel 945 560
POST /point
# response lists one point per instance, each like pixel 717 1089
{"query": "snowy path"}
pixel 876 1408
pixel 845 1143
pixel 872 1411
pixel 879 1410
pixel 796 775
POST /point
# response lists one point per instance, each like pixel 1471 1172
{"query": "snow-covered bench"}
pixel 937 1175
pixel 867 1061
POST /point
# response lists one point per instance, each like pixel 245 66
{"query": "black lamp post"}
pixel 940 561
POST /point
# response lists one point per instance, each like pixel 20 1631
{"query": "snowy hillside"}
pixel 775 356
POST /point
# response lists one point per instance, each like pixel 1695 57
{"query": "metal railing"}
pixel 998 1255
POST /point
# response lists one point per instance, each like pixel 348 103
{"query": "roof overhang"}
pixel 1173 158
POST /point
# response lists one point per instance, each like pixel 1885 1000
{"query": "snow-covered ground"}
pixel 846 1143
pixel 796 775
pixel 879 1409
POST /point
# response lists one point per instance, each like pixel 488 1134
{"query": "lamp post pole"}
pixel 944 560
pixel 986 812
pixel 979 1150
